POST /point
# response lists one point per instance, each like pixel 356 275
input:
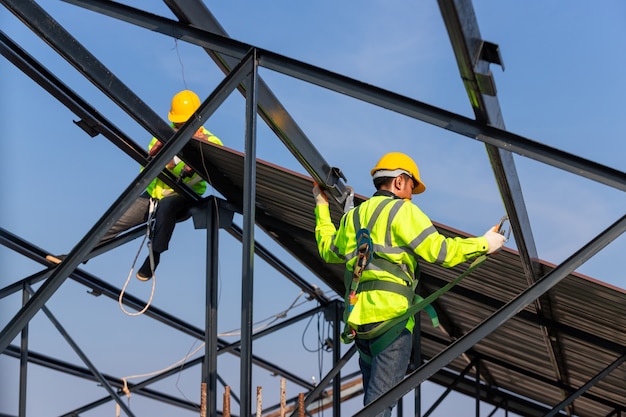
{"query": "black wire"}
pixel 304 333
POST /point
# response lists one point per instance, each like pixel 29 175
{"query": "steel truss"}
pixel 240 63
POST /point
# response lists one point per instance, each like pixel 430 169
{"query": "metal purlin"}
pixel 456 123
pixel 494 137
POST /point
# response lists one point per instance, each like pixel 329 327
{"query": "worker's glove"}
pixel 155 149
pixel 186 172
pixel 319 195
pixel 495 240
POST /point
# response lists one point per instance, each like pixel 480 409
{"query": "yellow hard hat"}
pixel 396 163
pixel 184 104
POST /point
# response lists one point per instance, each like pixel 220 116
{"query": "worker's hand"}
pixel 155 149
pixel 186 172
pixel 495 240
pixel 173 162
pixel 319 195
pixel 200 135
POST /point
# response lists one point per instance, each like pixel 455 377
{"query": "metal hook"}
pixel 501 229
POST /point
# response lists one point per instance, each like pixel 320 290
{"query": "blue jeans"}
pixel 386 369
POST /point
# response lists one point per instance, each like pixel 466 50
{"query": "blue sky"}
pixel 563 86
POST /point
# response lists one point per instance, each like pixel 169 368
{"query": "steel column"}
pixel 417 361
pixel 23 360
pixel 337 309
pixel 209 365
pixel 249 206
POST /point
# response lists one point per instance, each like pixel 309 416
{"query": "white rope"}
pixel 151 212
pixel 149 374
pixel 182 361
pixel 269 320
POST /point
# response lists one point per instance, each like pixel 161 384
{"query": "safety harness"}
pixel 387 331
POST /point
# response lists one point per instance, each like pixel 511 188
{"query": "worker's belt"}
pixel 420 303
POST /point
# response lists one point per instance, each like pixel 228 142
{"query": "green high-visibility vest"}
pixel 401 234
pixel 158 189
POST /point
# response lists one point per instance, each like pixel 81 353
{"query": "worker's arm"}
pixel 423 238
pixel 325 231
pixel 203 133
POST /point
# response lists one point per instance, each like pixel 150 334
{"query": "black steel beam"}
pixel 100 287
pixel 530 317
pixel 270 109
pixel 84 373
pixel 312 291
pixel 587 385
pixel 99 377
pixel 91 121
pixel 82 249
pixel 516 369
pixel 365 92
pixel 468 47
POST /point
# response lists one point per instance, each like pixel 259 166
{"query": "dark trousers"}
pixel 171 209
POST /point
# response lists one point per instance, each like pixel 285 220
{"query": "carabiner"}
pixel 504 232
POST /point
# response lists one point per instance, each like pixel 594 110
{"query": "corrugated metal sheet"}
pixel 589 317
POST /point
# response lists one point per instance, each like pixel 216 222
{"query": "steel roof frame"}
pixel 473 63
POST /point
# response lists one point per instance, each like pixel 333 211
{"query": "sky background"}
pixel 563 85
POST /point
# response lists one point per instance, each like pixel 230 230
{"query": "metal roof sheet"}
pixel 587 315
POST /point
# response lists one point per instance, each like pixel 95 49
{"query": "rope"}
pixel 182 361
pixel 125 388
pixel 269 320
pixel 151 213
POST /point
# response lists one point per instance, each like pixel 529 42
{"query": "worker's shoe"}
pixel 146 271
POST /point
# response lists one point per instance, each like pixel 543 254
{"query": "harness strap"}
pixel 399 271
pixel 421 304
pixel 364 257
pixel 382 342
pixel 387 286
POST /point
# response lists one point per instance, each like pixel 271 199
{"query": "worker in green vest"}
pixel 397 234
pixel 171 207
